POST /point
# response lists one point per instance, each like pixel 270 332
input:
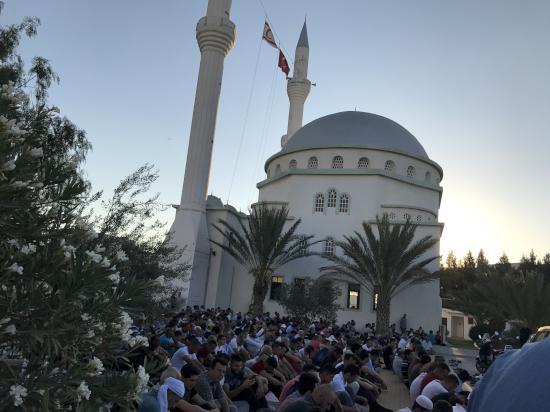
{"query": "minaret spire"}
pixel 298 86
pixel 215 37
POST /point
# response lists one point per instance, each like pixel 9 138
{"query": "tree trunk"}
pixel 259 291
pixel 383 316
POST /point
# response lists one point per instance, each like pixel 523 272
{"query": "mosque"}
pixel 333 173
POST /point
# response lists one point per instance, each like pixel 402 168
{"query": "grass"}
pixel 461 343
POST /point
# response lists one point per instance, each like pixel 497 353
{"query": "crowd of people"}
pixel 219 360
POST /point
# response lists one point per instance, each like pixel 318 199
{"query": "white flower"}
pixel 28 249
pixel 36 152
pixel 121 255
pixel 97 366
pixel 106 263
pixel 18 392
pixel 67 255
pixel 19 184
pixel 100 326
pixel 142 380
pixel 100 249
pixel 90 334
pixel 85 317
pixel 16 268
pixel 13 242
pixel 83 391
pixel 126 323
pixel 115 278
pixel 94 256
pixel 136 340
pixel 5 320
pixel 8 166
pixel 11 329
pixel 69 248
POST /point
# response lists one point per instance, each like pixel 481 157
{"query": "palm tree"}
pixel 385 265
pixel 262 246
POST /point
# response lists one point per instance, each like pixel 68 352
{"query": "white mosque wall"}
pixel 371 192
pixel 370 195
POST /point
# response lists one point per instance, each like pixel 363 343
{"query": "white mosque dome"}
pixel 357 130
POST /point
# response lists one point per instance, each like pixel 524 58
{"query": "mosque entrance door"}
pixel 457 326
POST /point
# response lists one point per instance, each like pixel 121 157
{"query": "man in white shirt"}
pixel 414 390
pixel 402 342
pixel 342 380
pixel 437 387
pixel 397 363
pixel 186 354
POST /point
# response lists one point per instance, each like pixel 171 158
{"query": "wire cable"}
pixel 245 122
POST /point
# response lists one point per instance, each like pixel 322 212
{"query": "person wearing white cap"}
pixel 168 396
pixel 421 404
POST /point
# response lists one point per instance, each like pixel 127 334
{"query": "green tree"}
pixel 65 307
pixel 524 300
pixel 311 299
pixel 545 267
pixel 469 263
pixel 503 265
pixel 451 261
pixel 127 226
pixel 262 245
pixel 481 262
pixel 528 263
pixel 386 264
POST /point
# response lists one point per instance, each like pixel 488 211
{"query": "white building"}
pixel 458 323
pixel 333 173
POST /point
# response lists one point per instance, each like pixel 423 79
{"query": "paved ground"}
pixel 397 395
pixel 466 356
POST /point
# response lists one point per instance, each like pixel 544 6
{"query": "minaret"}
pixel 215 36
pixel 298 86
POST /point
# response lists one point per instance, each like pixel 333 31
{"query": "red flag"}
pixel 268 35
pixel 283 64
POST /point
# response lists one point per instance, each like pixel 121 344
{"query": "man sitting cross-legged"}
pixel 241 384
pixel 208 386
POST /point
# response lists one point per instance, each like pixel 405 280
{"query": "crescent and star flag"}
pixel 268 35
pixel 283 64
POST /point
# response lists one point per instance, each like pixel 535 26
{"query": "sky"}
pixel 468 78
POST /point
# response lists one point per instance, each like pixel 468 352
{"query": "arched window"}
pixel 419 218
pixel 337 162
pixel 428 177
pixel 406 216
pixel 344 203
pixel 277 170
pixel 292 164
pixel 411 171
pixel 312 163
pixel 389 166
pixel 329 246
pixel 319 202
pixel 331 200
pixel 363 163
